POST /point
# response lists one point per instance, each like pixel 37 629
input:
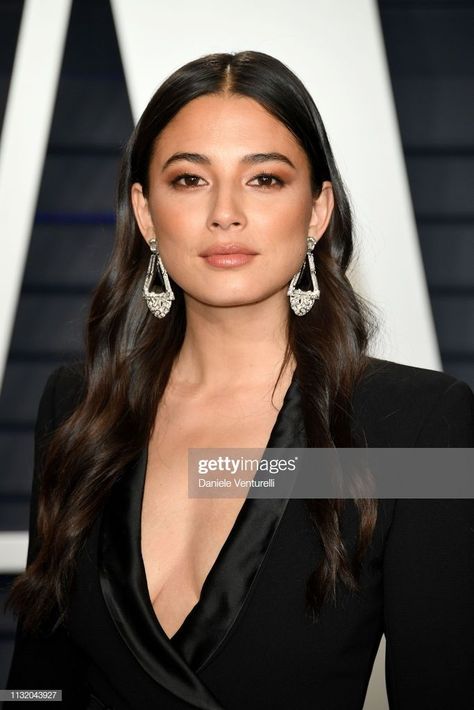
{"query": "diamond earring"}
pixel 302 301
pixel 158 303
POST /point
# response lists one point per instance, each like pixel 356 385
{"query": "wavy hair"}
pixel 129 353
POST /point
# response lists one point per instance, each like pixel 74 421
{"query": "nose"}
pixel 226 211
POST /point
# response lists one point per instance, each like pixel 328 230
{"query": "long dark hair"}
pixel 130 353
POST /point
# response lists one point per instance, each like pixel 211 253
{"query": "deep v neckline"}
pixel 226 587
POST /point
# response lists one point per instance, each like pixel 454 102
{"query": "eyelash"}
pixel 184 175
pixel 279 182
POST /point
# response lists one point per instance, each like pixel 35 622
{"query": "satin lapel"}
pixel 175 662
pixel 123 584
pixel 231 579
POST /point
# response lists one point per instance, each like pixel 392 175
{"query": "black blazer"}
pixel 247 644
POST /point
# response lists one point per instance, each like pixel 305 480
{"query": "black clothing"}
pixel 248 644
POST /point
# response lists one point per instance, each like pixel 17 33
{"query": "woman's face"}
pixel 225 171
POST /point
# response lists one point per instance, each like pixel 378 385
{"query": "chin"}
pixel 214 300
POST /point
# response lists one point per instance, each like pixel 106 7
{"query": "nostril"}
pixel 226 226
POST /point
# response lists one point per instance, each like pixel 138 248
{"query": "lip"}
pixel 226 261
pixel 225 249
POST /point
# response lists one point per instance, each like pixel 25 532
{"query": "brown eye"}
pixel 187 180
pixel 267 180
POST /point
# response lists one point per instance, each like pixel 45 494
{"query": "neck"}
pixel 227 348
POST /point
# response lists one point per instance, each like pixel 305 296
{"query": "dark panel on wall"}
pixel 70 243
pixel 73 230
pixel 10 18
pixel 430 54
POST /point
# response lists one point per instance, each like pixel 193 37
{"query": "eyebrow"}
pixel 250 159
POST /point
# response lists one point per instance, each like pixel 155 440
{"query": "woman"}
pixel 210 328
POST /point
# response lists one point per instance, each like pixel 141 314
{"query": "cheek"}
pixel 178 231
pixel 290 210
pixel 284 228
pixel 173 220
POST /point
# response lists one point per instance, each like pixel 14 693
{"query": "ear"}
pixel 142 212
pixel 323 206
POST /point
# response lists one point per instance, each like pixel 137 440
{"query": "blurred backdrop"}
pixel 430 57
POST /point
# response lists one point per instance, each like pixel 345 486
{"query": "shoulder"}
pixel 387 375
pixel 403 405
pixel 62 391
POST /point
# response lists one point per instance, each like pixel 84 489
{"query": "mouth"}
pixel 228 255
pixel 229 260
pixel 224 249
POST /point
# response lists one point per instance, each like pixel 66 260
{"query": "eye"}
pixel 267 180
pixel 186 180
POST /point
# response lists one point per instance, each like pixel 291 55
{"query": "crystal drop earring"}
pixel 302 301
pixel 159 303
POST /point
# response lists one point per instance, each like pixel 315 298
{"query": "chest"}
pixel 181 537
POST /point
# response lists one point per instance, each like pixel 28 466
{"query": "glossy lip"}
pixel 228 260
pixel 233 248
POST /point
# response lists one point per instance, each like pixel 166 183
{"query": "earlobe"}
pixel 141 211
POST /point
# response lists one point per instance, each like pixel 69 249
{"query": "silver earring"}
pixel 158 303
pixel 302 301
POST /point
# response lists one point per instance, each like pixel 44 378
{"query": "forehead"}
pixel 226 122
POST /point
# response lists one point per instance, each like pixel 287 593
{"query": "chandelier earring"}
pixel 301 301
pixel 159 303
